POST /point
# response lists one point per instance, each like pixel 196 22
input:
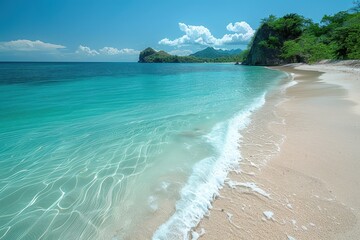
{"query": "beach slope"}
pixel 299 175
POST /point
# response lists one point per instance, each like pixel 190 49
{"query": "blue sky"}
pixel 115 30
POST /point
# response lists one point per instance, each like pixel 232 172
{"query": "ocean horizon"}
pixel 119 150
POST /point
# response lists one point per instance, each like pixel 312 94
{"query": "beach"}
pixel 299 170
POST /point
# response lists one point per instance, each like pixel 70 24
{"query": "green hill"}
pixel 212 53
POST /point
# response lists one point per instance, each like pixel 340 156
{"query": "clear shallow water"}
pixel 95 150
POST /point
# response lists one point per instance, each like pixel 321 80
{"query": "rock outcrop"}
pixel 145 53
pixel 260 54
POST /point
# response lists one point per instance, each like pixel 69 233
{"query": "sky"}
pixel 117 30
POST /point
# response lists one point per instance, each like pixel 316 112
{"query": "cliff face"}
pixel 261 54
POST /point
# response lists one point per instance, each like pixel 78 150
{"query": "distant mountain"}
pixel 149 55
pixel 212 53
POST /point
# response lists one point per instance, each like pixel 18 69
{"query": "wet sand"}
pixel 299 176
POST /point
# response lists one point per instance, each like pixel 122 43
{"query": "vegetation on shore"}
pixel 293 38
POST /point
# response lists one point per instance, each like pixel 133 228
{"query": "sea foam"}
pixel 290 83
pixel 208 176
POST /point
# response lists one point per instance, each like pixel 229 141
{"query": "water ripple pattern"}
pixel 85 147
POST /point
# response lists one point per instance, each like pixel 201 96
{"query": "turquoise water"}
pixel 99 150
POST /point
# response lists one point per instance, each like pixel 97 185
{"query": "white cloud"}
pixel 109 51
pixel 202 36
pixel 87 51
pixel 106 51
pixel 129 51
pixel 240 27
pixel 28 45
pixel 180 52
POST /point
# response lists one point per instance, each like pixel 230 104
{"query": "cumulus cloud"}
pixel 242 33
pixel 28 45
pixel 106 51
pixel 129 51
pixel 87 51
pixel 109 51
pixel 193 34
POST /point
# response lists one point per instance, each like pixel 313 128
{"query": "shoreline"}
pixel 298 176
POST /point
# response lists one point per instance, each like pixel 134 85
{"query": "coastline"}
pixel 298 177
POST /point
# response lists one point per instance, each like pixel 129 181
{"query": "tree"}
pixel 292 51
pixel 270 19
pixel 290 26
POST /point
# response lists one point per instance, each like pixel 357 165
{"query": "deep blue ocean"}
pixel 119 150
